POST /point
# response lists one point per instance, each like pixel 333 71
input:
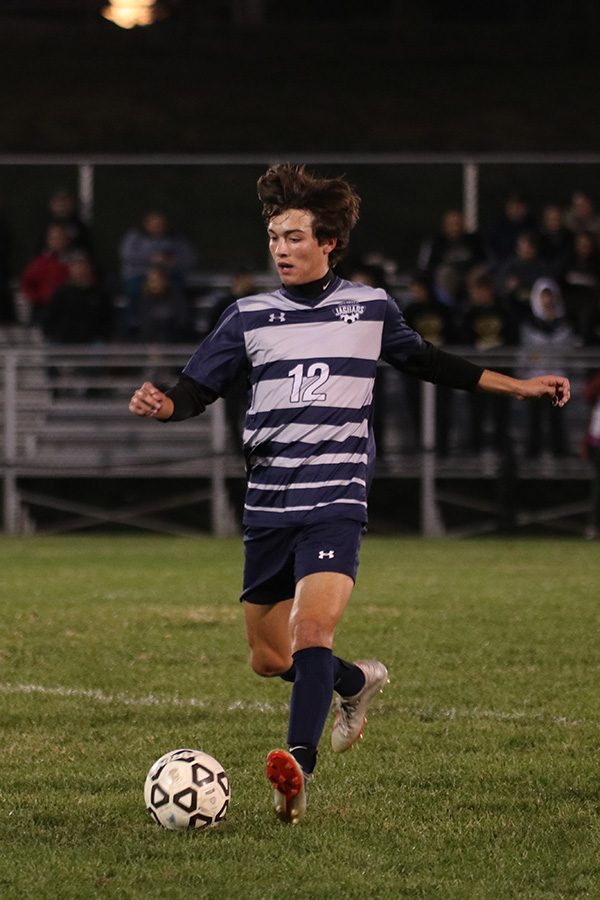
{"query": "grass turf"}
pixel 478 777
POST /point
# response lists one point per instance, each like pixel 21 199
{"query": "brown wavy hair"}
pixel 333 202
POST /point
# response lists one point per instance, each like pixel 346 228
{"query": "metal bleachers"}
pixel 66 420
pixel 66 417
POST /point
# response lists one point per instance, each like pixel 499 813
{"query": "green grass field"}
pixel 479 776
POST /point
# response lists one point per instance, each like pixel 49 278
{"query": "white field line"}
pixel 426 715
pixel 123 699
pixel 527 717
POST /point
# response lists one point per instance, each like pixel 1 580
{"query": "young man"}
pixel 311 351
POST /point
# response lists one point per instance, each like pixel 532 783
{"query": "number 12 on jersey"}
pixel 305 386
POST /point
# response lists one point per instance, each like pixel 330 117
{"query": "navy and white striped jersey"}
pixel 308 438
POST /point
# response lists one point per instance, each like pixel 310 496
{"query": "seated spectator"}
pixel 501 242
pixel 517 276
pixel 426 314
pixel 80 310
pixel 486 325
pixel 448 257
pixel 582 215
pixel 242 285
pixel 546 332
pixel 556 240
pixel 582 283
pixel 434 322
pixel 62 210
pixel 154 244
pixel 46 272
pixel 162 310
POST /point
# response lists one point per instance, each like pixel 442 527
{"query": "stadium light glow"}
pixel 129 13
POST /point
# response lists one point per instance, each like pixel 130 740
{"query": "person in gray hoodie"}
pixel 544 336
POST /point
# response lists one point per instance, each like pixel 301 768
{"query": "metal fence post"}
pixel 471 195
pixel 431 523
pixel 11 503
pixel 223 522
pixel 85 179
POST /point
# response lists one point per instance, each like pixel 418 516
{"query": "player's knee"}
pixel 311 633
pixel 268 665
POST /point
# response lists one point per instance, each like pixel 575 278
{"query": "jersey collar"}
pixel 313 291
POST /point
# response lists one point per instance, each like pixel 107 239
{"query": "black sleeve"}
pixel 432 364
pixel 189 399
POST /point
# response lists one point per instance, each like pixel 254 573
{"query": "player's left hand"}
pixel 556 387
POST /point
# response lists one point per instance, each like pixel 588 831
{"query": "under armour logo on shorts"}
pixel 326 553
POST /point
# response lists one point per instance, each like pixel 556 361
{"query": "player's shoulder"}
pixel 358 290
pixel 360 300
pixel 261 300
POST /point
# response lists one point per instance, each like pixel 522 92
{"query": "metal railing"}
pixel 66 417
pixel 470 164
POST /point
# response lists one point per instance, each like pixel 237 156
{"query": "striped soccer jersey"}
pixel 307 438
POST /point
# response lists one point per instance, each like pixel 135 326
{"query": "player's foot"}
pixel 351 712
pixel 289 785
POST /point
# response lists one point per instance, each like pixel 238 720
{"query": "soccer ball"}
pixel 187 789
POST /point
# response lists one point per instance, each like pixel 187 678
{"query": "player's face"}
pixel 296 252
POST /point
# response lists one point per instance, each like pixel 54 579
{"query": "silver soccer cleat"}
pixel 351 712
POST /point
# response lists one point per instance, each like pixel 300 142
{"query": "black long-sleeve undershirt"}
pixel 440 367
pixel 430 364
pixel 189 399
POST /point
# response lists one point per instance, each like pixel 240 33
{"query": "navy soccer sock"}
pixel 290 674
pixel 310 702
pixel 348 679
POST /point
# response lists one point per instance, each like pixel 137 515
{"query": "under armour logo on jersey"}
pixel 326 553
pixel 280 317
pixel 349 312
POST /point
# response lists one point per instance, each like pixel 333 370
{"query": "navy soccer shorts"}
pixel 277 558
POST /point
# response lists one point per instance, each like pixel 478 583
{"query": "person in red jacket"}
pixel 46 272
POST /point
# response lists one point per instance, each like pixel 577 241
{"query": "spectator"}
pixel 546 332
pixel 515 279
pixel 243 284
pixel 582 215
pixel 556 240
pixel 79 311
pixel 502 238
pixel 591 394
pixel 434 322
pixel 582 284
pixel 426 314
pixel 62 210
pixel 448 257
pixel 46 272
pixel 154 244
pixel 486 325
pixel 162 311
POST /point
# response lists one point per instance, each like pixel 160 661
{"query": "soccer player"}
pixel 311 350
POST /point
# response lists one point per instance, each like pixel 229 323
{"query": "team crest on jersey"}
pixel 349 312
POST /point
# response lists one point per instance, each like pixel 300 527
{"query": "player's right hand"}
pixel 147 400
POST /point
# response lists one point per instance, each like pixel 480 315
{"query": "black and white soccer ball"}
pixel 187 789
